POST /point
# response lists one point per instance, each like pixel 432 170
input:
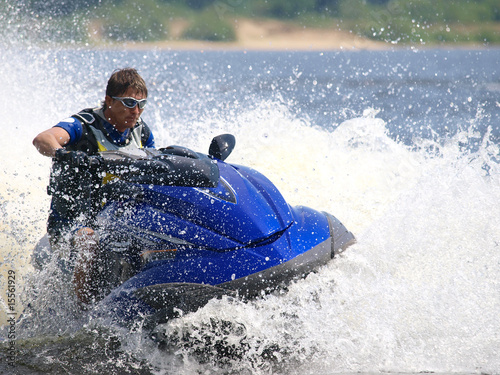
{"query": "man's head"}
pixel 124 83
pixel 123 79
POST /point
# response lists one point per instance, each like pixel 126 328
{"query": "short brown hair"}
pixel 123 79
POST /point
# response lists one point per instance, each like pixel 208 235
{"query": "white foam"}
pixel 418 292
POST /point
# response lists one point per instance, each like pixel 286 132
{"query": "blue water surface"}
pixel 425 93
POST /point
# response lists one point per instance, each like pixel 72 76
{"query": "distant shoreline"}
pixel 291 46
pixel 265 35
pixel 272 35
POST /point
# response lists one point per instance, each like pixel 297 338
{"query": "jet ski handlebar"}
pixel 173 165
pixel 160 167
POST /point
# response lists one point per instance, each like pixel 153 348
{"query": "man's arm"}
pixel 48 141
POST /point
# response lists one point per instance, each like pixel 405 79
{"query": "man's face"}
pixel 121 117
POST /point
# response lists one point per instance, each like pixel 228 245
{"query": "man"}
pixel 117 124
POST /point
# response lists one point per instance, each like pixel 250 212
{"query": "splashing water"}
pixel 418 292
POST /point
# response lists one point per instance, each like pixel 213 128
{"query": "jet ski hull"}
pixel 194 228
pixel 311 242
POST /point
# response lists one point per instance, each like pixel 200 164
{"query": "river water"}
pixel 401 145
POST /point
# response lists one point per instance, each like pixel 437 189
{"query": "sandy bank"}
pixel 270 35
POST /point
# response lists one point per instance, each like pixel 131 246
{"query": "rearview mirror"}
pixel 222 146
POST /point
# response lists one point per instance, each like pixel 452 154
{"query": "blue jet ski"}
pixel 179 228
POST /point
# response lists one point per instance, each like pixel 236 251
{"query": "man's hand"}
pixel 72 158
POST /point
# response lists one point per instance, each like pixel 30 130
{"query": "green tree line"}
pixel 397 21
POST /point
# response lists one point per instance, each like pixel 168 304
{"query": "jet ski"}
pixel 178 228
